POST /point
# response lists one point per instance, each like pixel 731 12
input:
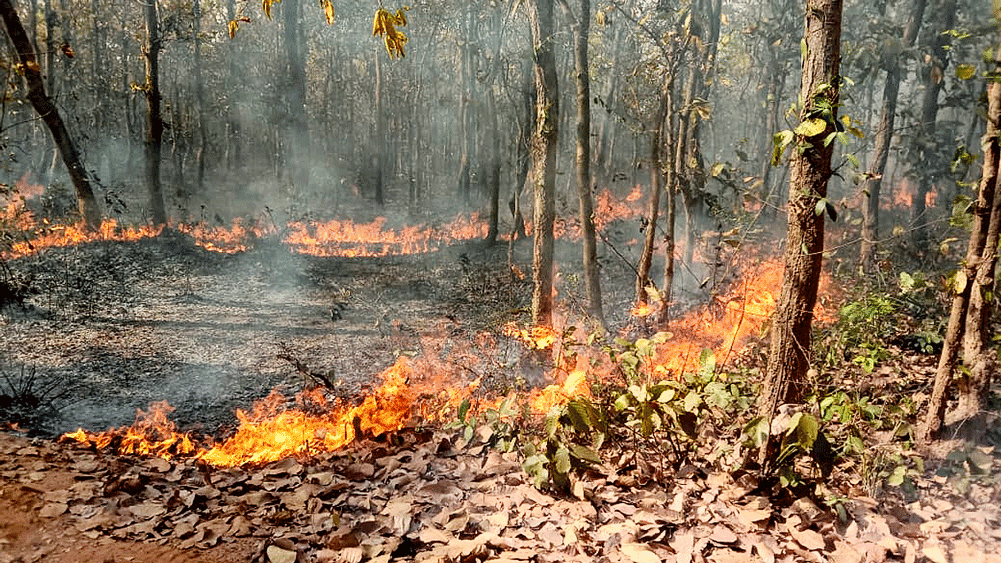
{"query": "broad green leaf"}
pixel 561 459
pixel 811 127
pixel 965 72
pixel 692 401
pixel 584 453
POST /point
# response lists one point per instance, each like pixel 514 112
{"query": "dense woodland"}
pixel 731 116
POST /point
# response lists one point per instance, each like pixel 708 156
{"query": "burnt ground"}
pixel 117 326
pixel 123 324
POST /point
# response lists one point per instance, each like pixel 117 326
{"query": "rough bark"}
pixel 380 136
pixel 86 202
pixel 874 175
pixel 970 312
pixel 788 360
pixel 154 120
pixel 544 159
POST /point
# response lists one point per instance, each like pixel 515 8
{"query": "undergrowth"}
pixel 646 425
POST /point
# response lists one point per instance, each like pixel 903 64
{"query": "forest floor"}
pixel 121 325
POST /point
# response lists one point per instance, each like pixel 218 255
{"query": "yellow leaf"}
pixel 811 127
pixel 965 72
pixel 233 26
pixel 328 11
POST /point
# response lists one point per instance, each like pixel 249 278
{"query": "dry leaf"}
pixel 639 553
pixel 350 555
pixel 807 538
pixel 279 555
pixel 935 553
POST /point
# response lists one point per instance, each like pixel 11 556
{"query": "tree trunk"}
pixel 544 159
pixel 970 311
pixel 494 173
pixel 297 136
pixel 526 127
pixel 656 182
pixel 40 101
pixel 234 156
pixel 934 80
pixel 874 176
pixel 199 97
pixel 380 136
pixel 581 29
pixel 154 121
pixel 788 359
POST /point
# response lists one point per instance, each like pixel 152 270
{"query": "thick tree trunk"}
pixel 788 360
pixel 970 311
pixel 544 159
pixel 154 121
pixel 86 202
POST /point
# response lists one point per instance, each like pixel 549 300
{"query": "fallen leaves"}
pixel 408 502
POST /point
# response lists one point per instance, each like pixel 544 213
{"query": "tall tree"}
pixel 934 79
pixel 42 104
pixel 873 180
pixel 154 119
pixel 547 114
pixel 974 283
pixel 810 170
pixel 581 26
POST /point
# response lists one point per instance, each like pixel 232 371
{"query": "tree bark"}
pixel 86 202
pixel 970 312
pixel 154 120
pixel 788 360
pixel 547 109
pixel 934 79
pixel 580 26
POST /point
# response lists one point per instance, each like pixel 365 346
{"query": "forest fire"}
pixel 430 390
pixel 332 237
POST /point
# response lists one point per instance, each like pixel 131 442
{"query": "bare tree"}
pixel 974 282
pixel 40 101
pixel 154 120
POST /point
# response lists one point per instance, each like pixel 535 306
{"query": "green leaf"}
pixel 811 127
pixel 553 422
pixel 584 453
pixel 692 401
pixel 580 417
pixel 780 141
pixel 707 362
pixel 561 460
pixel 756 431
pixel 464 409
pixel 622 402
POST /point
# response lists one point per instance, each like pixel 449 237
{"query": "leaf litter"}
pixel 423 496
